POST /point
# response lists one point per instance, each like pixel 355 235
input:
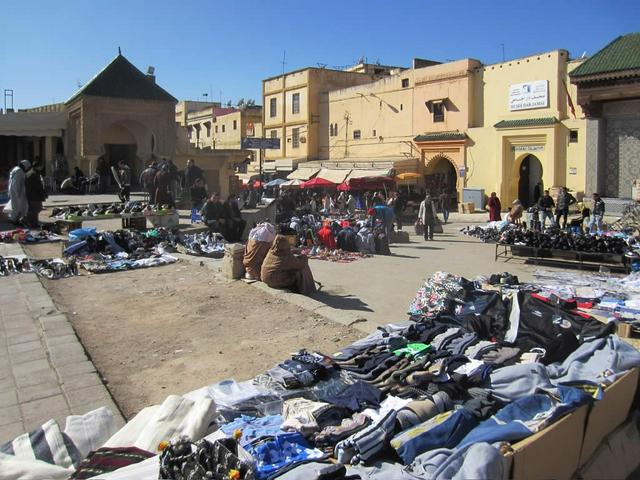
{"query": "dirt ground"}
pixel 173 329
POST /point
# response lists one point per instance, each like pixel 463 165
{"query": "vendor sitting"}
pixel 515 213
pixel 214 215
pixel 282 269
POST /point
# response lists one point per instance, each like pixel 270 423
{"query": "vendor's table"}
pixel 565 257
pixel 136 221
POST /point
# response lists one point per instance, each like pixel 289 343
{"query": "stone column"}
pixel 48 155
pixel 595 130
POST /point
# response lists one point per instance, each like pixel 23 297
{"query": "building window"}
pixel 573 136
pixel 235 124
pixel 274 134
pixel 374 133
pixel 400 107
pixel 273 111
pixel 295 138
pixel 295 103
pixel 208 127
pixel 222 128
pixel 356 135
pixel 438 112
pixel 216 128
pixel 331 130
pixel 405 82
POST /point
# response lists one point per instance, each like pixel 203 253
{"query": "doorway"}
pixel 441 177
pixel 530 185
pixel 116 152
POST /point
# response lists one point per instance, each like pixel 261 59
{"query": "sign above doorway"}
pixel 528 148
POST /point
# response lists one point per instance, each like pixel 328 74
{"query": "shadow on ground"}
pixel 342 302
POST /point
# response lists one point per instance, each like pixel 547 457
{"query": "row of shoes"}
pixel 12 265
pixel 559 240
pixel 485 234
pixel 55 268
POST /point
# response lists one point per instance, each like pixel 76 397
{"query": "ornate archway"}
pixel 128 140
pixel 441 175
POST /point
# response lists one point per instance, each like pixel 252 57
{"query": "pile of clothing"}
pixel 331 235
pixel 106 251
pixel 29 236
pixel 208 244
pixel 336 255
pixel 480 365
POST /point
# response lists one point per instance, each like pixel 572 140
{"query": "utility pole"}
pixel 502 45
pixel 347 121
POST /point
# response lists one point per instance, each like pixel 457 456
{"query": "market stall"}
pixel 490 378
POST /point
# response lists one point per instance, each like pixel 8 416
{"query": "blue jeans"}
pixel 544 215
pixel 596 221
pixel 445 214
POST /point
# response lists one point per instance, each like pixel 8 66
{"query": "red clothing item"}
pixel 325 235
pixel 494 209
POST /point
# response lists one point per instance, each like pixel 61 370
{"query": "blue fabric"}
pixel 526 416
pixel 442 431
pixel 82 233
pixel 74 248
pixel 253 428
pixel 384 213
pixel 286 449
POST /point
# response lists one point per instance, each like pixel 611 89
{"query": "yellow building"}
pixel 185 107
pixel 506 127
pixel 524 132
pixel 293 111
pixel 372 128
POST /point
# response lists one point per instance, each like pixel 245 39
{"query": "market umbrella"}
pixel 295 183
pixel 274 183
pixel 317 182
pixel 256 184
pixel 408 176
pixel 344 187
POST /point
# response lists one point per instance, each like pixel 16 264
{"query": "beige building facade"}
pixel 506 127
pixel 292 112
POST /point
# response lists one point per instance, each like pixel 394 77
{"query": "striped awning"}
pixel 303 173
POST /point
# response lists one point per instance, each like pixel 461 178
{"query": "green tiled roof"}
pixel 526 122
pixel 621 54
pixel 121 79
pixel 434 137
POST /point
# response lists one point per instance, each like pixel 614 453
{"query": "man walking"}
pixel 427 215
pixel 191 174
pixel 124 175
pixel 444 205
pixel 597 213
pixel 562 206
pixel 546 206
pixel 147 177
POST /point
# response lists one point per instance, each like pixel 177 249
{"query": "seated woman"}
pixel 282 269
pixel 255 251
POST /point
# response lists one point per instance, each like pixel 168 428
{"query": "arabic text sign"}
pixel 523 96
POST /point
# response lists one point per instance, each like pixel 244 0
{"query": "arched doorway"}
pixel 530 185
pixel 129 141
pixel 441 176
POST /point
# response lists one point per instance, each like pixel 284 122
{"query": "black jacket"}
pixel 546 203
pixel 34 187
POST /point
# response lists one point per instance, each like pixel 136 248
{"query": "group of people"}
pixel 224 217
pixel 27 192
pixel 160 181
pixel 545 208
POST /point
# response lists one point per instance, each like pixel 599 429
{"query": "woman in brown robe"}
pixel 255 252
pixel 282 269
pixel 162 182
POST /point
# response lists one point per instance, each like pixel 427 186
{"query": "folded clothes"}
pixel 105 460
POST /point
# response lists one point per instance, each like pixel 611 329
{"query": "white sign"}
pixel 573 171
pixel 523 96
pixel 528 148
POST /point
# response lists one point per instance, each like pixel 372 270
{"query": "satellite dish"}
pixel 151 70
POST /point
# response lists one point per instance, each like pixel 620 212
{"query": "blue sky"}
pixel 200 46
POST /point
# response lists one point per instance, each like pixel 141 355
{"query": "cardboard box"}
pixel 553 452
pixel 608 413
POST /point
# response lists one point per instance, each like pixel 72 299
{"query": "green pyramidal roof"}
pixel 620 55
pixel 121 79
